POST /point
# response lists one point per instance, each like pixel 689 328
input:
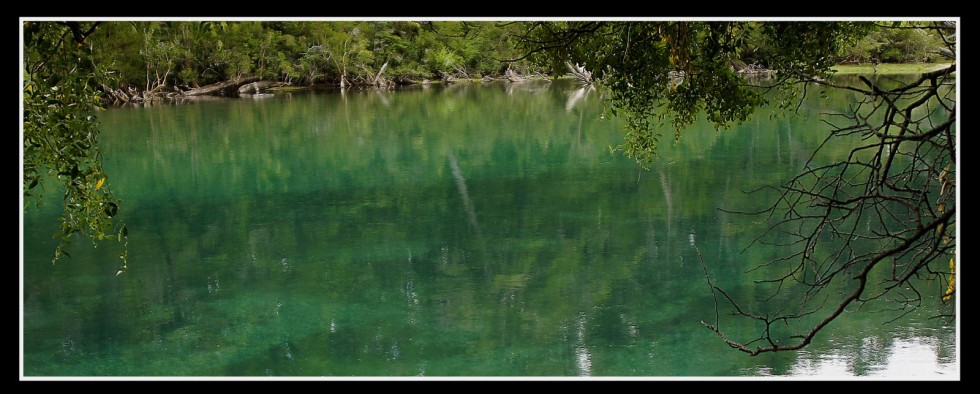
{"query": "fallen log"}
pixel 219 87
pixel 580 73
pixel 512 76
pixel 256 87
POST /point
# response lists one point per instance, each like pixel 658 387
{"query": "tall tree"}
pixel 890 202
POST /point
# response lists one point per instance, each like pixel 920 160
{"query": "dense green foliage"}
pixel 898 42
pixel 152 55
pixel 149 55
pixel 664 75
pixel 60 132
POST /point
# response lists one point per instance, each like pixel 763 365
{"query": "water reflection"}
pixel 576 96
pixel 914 357
pixel 583 358
pixel 463 193
pixel 583 361
pixel 907 355
pixel 453 231
pixel 907 358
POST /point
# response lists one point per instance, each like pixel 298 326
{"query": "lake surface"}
pixel 481 230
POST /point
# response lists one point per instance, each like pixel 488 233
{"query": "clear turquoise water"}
pixel 481 231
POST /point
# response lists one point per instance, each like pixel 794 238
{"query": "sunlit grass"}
pixel 888 68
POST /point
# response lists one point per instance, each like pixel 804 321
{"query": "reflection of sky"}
pixel 583 361
pixel 916 358
pixel 913 358
pixel 583 358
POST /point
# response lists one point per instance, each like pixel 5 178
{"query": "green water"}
pixel 482 230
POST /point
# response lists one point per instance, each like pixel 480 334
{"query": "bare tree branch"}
pixel 889 203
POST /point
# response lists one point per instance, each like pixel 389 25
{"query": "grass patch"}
pixel 888 68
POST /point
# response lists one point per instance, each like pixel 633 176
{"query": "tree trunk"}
pixel 256 87
pixel 580 73
pixel 512 76
pixel 377 78
pixel 220 86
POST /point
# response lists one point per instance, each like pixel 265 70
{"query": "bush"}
pixel 442 60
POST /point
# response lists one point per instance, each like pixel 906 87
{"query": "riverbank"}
pixel 888 68
pixel 118 98
pixel 251 87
